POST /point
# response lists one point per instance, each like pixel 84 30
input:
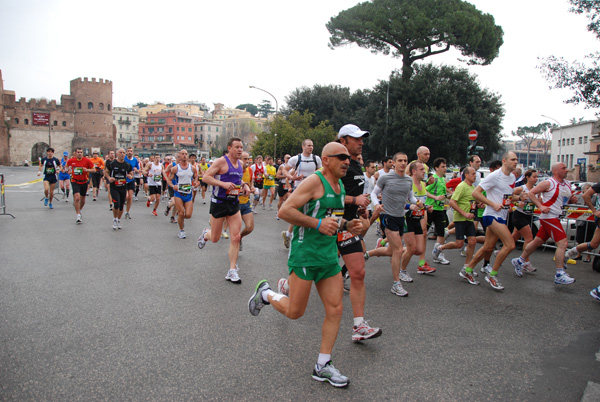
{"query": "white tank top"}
pixel 556 197
pixel 155 175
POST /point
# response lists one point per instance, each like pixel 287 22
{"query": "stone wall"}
pixel 23 141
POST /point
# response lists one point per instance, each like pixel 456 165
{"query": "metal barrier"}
pixel 2 197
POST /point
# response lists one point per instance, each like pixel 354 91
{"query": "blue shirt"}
pixel 134 164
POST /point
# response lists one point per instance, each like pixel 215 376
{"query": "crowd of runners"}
pixel 330 202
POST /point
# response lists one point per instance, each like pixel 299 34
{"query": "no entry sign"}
pixel 473 135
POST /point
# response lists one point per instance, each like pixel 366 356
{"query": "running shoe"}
pixel 67 199
pixel 425 269
pixel 50 206
pixel 446 234
pixel 127 216
pixel 241 247
pixel 366 255
pixel 563 279
pixel 45 202
pixel 173 220
pixel 364 331
pixel 182 234
pixel 595 293
pixel 135 198
pixel 114 224
pixel 381 242
pixel 148 204
pixel 436 251
pixel 495 253
pixel 398 290
pixel 438 255
pixel 486 269
pixel 283 287
pixel 463 252
pixel 233 276
pixel 494 282
pixel 202 240
pixel 263 207
pixel 330 374
pixel 571 253
pixel 256 302
pixel 516 262
pixel 154 212
pixel 110 207
pixel 204 201
pixel 271 207
pixel 286 240
pixel 78 218
pixel 224 235
pixel 94 199
pixel 527 267
pixel 118 224
pixel 347 282
pixel 167 211
pixel 405 276
pixel 468 276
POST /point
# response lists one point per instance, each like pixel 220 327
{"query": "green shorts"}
pixel 315 274
pixel 265 187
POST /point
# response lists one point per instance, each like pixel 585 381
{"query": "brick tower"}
pixel 93 114
pixel 4 150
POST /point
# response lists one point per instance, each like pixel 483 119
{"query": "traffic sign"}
pixel 473 135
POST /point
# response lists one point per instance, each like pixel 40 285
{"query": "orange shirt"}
pixel 98 163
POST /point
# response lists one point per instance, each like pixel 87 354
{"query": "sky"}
pixel 212 52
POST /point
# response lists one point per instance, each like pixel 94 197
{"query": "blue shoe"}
pixel 595 293
pixel 50 206
pixel 518 266
pixel 45 202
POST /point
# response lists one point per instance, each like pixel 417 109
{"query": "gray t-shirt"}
pixel 395 191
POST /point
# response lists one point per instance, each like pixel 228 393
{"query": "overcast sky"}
pixel 211 52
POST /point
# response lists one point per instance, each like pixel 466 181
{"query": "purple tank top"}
pixel 233 175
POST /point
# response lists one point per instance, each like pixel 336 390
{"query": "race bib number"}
pixel 234 193
pixel 49 170
pixel 270 177
pixel 337 213
pixel 185 188
pixel 346 238
pixel 157 177
pixel 473 206
pixel 564 211
pixel 120 182
pixel 418 214
pixel 529 207
pixel 78 171
pixel 506 201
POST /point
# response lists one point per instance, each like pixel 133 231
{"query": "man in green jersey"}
pixel 315 209
pixel 438 216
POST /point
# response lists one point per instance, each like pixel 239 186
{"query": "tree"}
pixel 331 103
pixel 529 134
pixel 416 29
pixel 141 104
pixel 265 108
pixel 437 108
pixel 291 131
pixel 249 107
pixel 583 78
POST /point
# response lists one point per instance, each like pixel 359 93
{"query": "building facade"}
pixel 572 145
pixel 166 131
pixel 126 121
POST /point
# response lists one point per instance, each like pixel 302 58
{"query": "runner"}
pixel 49 166
pixel 245 204
pixel 416 224
pixel 556 194
pixel 396 191
pixel 302 165
pixel 97 175
pixel 116 173
pixel 522 217
pixel 258 177
pixel 313 256
pixel 185 175
pixel 438 215
pixel 284 187
pixel 64 178
pixel 154 172
pixel 388 166
pixel 594 207
pixel 79 168
pixel 137 176
pixel 269 183
pixel 196 184
pixel 109 158
pixel 131 183
pixel 499 187
pixel 203 168
pixel 225 175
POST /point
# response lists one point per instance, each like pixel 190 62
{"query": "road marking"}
pixel 591 392
pixel 23 184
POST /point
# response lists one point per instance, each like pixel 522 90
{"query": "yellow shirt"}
pixel 244 199
pixel 270 173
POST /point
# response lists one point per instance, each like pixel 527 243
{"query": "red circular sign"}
pixel 473 135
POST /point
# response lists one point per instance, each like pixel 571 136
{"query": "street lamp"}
pixel 560 139
pixel 276 111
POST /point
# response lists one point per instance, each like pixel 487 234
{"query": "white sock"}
pixel 288 234
pixel 323 359
pixel 266 293
pixel 358 320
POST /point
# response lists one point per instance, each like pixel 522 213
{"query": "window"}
pixel 151 138
pixel 78 105
pixel 55 123
pixel 174 120
pixel 208 128
pixel 26 121
pixel 16 120
pixel 150 130
pixel 585 139
pixel 90 105
pixel 101 106
pixel 218 131
pixel 121 128
pixel 108 107
pixel 563 142
pixel 580 140
pixel 189 138
pixel 572 141
pixel 64 123
pixel 143 131
pixel 190 129
pixel 170 129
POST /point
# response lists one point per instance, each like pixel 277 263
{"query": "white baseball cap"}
pixel 352 131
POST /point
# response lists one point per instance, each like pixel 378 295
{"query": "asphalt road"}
pixel 138 314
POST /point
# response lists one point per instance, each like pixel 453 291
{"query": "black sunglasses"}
pixel 341 157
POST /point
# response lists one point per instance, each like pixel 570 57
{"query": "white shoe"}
pixel 78 220
pixel 182 234
pixel 233 276
pixel 114 224
pixel 118 224
pixel 405 276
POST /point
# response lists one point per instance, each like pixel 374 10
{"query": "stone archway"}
pixel 38 151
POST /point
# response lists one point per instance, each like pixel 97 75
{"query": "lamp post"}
pixel 276 111
pixel 560 139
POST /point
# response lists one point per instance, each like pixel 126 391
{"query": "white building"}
pixel 126 120
pixel 570 142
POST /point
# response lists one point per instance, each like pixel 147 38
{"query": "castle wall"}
pixel 4 152
pixel 23 140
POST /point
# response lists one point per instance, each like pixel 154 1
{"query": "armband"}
pixel 407 206
pixel 319 225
